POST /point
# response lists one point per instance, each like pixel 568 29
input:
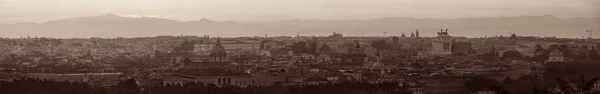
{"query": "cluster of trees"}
pixel 533 85
pixel 186 46
pixel 129 86
pixel 576 53
pixel 380 45
pixel 34 42
pixel 309 47
pixel 339 88
pixel 37 86
pixel 559 78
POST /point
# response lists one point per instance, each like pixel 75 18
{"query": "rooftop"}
pixel 212 72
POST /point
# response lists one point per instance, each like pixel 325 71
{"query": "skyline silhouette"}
pixel 114 25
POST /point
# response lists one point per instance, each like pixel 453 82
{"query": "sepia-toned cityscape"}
pixel 293 47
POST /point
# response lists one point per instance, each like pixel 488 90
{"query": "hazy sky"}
pixel 12 11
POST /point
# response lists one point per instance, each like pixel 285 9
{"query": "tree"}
pixel 523 84
pixel 541 54
pixel 380 45
pixel 128 86
pixel 565 49
pixel 570 71
pixel 187 60
pixel 479 83
pixel 498 89
pixel 593 54
pixel 312 47
pixel 512 54
pixel 508 80
pixel 552 73
pixel 582 86
pixel 77 44
pixel 299 47
pixel 539 91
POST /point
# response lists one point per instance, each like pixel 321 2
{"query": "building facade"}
pixel 442 44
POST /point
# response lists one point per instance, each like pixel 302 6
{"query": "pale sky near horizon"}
pixel 13 11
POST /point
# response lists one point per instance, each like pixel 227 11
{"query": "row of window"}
pixel 228 81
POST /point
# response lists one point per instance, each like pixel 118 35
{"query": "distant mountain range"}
pixel 114 25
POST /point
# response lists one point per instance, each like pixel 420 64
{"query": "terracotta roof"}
pixel 212 72
pixel 123 58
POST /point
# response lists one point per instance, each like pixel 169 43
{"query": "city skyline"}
pixel 114 25
pixel 239 18
pixel 299 47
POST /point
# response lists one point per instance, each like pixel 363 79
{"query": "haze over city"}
pixel 299 47
pixel 562 18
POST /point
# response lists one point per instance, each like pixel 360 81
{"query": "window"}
pixel 219 82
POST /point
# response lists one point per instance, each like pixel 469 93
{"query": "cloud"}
pixel 8 16
pixel 271 16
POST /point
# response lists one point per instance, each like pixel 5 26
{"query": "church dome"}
pixel 556 52
pixel 123 58
pixel 324 48
pixel 218 49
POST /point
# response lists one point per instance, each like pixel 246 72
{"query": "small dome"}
pixel 378 65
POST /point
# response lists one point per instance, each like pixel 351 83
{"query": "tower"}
pixel 403 35
pixel 417 33
pixel 590 34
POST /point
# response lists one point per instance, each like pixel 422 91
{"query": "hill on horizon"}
pixel 119 26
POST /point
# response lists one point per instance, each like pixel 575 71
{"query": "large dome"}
pixel 218 49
